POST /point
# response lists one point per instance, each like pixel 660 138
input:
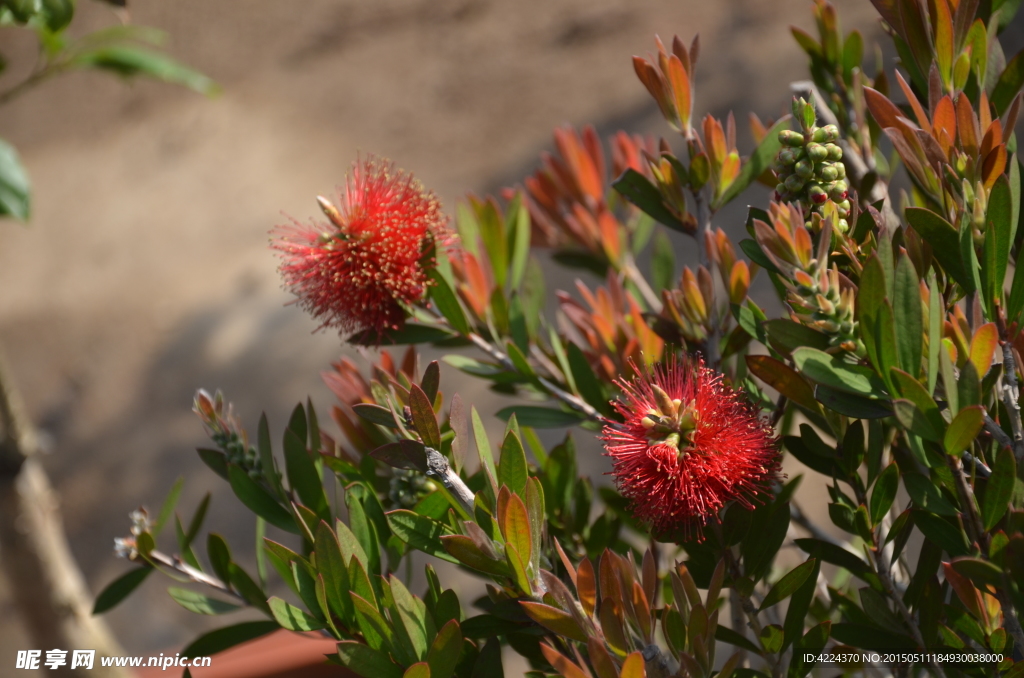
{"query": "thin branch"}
pixel 437 467
pixel 198 576
pixel 553 389
pixel 1011 394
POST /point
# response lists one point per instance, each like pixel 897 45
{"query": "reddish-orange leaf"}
pixel 679 82
pixel 601 660
pixel 967 125
pixel 944 121
pixel 965 590
pixel 882 110
pixel 993 166
pixel 586 586
pixel 634 667
pixel 983 348
pixel 942 23
pixel 562 664
pixel 919 113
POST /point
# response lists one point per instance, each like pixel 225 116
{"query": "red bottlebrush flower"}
pixel 355 272
pixel 688 445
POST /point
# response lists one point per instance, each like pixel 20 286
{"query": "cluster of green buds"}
pixel 810 166
pixel 226 432
pixel 408 487
pixel 816 292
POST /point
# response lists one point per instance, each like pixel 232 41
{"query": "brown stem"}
pixel 178 565
pixel 437 467
pixel 47 588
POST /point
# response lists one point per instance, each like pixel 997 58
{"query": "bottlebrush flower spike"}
pixel 357 271
pixel 689 445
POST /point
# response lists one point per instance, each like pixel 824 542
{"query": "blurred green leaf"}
pixel 1009 83
pixel 130 60
pixel 907 311
pixel 964 429
pixel 257 500
pixel 772 637
pixel 926 495
pixel 851 405
pixel 420 532
pixel 831 371
pixel 291 617
pixel 200 603
pixel 944 241
pixel 788 584
pixel 941 533
pixel 999 490
pixel 366 661
pixel 447 303
pixel 444 652
pixel 512 469
pixel 663 263
pixel 640 191
pixel 119 589
pixel 541 417
pixel 884 492
pixel 15 190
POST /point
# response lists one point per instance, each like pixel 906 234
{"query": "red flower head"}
pixel 688 445
pixel 357 271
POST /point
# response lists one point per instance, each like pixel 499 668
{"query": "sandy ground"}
pixel 145 271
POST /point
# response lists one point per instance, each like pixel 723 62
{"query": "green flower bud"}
pixel 791 138
pixel 834 152
pixel 829 173
pixel 843 226
pixel 816 152
pixel 805 168
pixel 794 183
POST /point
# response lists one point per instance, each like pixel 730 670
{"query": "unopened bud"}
pixel 816 152
pixel 791 138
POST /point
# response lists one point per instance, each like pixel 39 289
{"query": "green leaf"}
pixel 586 381
pixel 998 238
pixel 783 379
pixel 404 454
pixel 941 533
pixel 831 371
pixel 129 61
pixel 757 255
pixel 375 414
pixel 883 493
pixel 483 448
pixel 788 584
pixel 443 655
pixel 257 500
pixel 663 263
pixel 466 552
pixel 638 190
pixel 935 326
pixel 1009 83
pixel 541 417
pixel 291 617
pixel 420 532
pixel 913 419
pixel 926 495
pixel 417 670
pixel 907 312
pixel 512 469
pixel 119 589
pixel 1000 488
pixel 168 506
pixel 759 161
pixel 851 405
pixel 227 637
pixel 200 603
pixel 518 225
pixel 772 637
pixel 220 556
pixel 786 336
pixel 944 240
pixel 303 475
pixel 15 190
pixel 726 635
pixel 964 429
pixel 799 605
pixel 835 554
pixel 447 303
pixel 555 620
pixel 367 662
pixel 331 565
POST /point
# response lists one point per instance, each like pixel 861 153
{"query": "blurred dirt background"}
pixel 145 272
